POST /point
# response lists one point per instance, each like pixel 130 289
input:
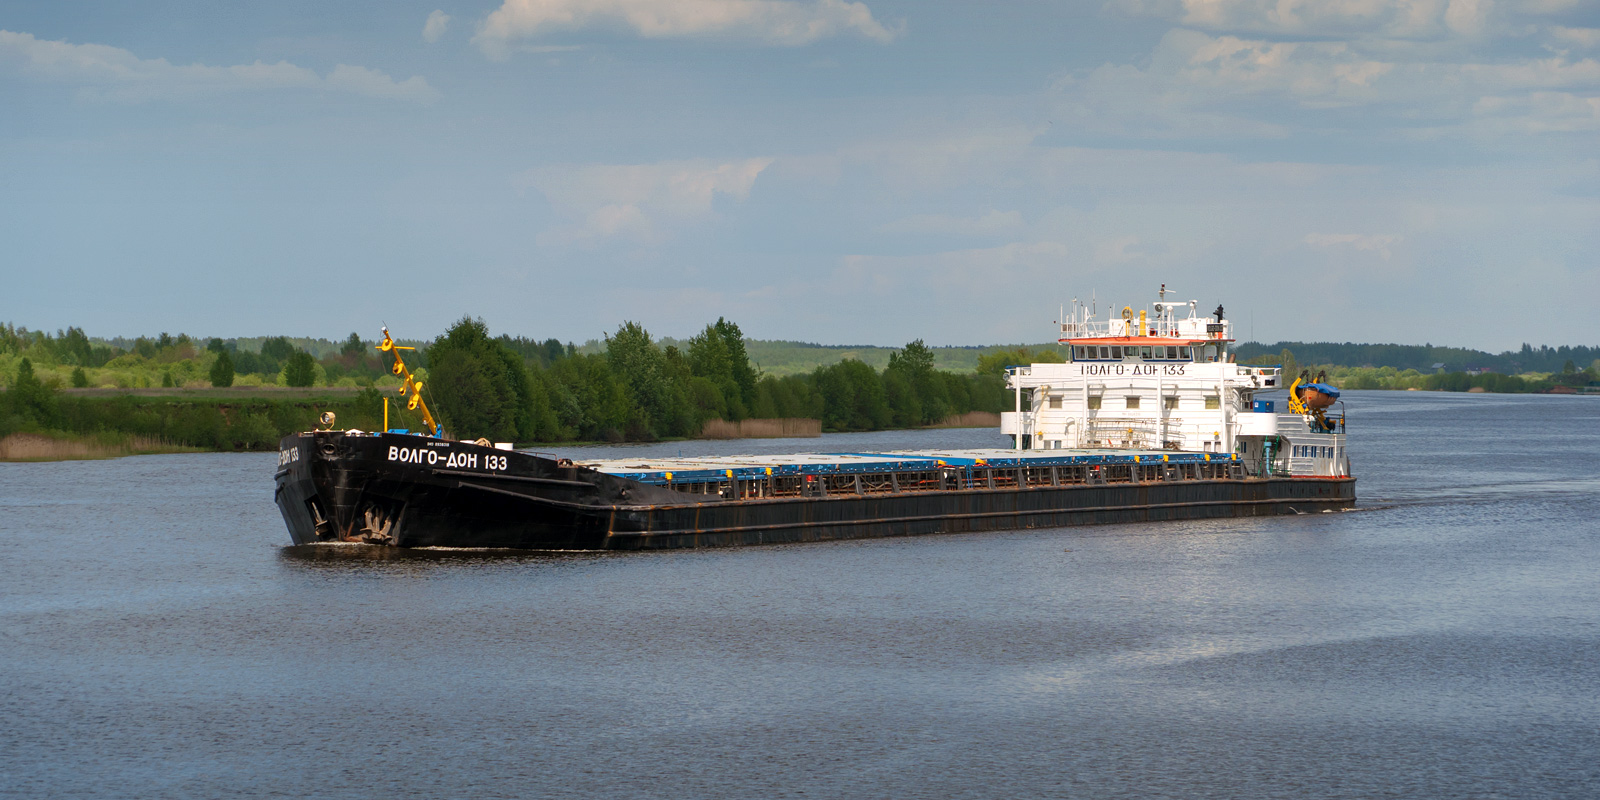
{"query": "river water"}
pixel 158 639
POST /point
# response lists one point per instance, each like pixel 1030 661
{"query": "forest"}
pixel 1423 358
pixel 504 388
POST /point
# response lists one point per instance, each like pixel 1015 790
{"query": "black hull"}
pixel 334 487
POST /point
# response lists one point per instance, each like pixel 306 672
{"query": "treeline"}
pixel 247 423
pixel 513 389
pixel 1389 378
pixel 503 388
pixel 1422 358
pixel 1457 381
pixel 70 358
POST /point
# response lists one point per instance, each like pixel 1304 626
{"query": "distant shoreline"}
pixel 59 446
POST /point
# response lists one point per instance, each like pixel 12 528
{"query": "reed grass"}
pixel 44 447
pixel 971 419
pixel 783 428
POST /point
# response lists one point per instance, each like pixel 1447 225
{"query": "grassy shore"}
pixel 230 393
pixel 67 447
pixel 90 423
pixel 108 423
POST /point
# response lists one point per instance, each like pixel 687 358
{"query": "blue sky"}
pixel 840 172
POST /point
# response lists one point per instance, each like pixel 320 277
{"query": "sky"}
pixel 1412 171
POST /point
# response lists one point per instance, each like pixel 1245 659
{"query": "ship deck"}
pixel 685 469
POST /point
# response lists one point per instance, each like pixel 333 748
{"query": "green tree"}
pixel 915 359
pixel 642 367
pixel 995 363
pixel 480 387
pixel 901 395
pixel 589 399
pixel 301 369
pixel 30 399
pixel 708 399
pixel 553 351
pixel 353 346
pixel 222 369
pixel 914 388
pixel 278 349
pixel 75 349
pixel 369 404
pixel 216 346
pixel 1291 367
pixel 80 379
pixel 852 397
pixel 718 354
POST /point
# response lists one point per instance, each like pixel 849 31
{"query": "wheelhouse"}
pixel 1140 349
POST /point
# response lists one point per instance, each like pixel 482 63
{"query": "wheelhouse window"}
pixel 1183 354
pixel 1105 352
pixel 1116 351
pixel 1172 352
pixel 1144 352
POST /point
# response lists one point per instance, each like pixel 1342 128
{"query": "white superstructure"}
pixel 1163 379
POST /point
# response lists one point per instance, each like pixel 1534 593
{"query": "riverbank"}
pixel 66 447
pixel 227 393
pixel 129 423
pixel 73 425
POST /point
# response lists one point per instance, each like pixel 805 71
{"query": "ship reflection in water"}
pixel 157 641
pixel 340 553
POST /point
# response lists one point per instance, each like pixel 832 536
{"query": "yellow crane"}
pixel 410 387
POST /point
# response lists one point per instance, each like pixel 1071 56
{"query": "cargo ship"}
pixel 1147 417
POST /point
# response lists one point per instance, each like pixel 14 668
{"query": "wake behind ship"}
pixel 1148 419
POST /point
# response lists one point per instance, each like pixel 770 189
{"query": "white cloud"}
pixel 1408 19
pixel 114 73
pixel 1324 72
pixel 1199 84
pixel 1539 112
pixel 927 163
pixel 1117 251
pixel 638 200
pixel 1580 37
pixel 1014 162
pixel 776 22
pixel 953 274
pixel 434 28
pixel 1370 243
pixel 993 222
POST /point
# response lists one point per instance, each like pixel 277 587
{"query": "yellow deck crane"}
pixel 410 387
